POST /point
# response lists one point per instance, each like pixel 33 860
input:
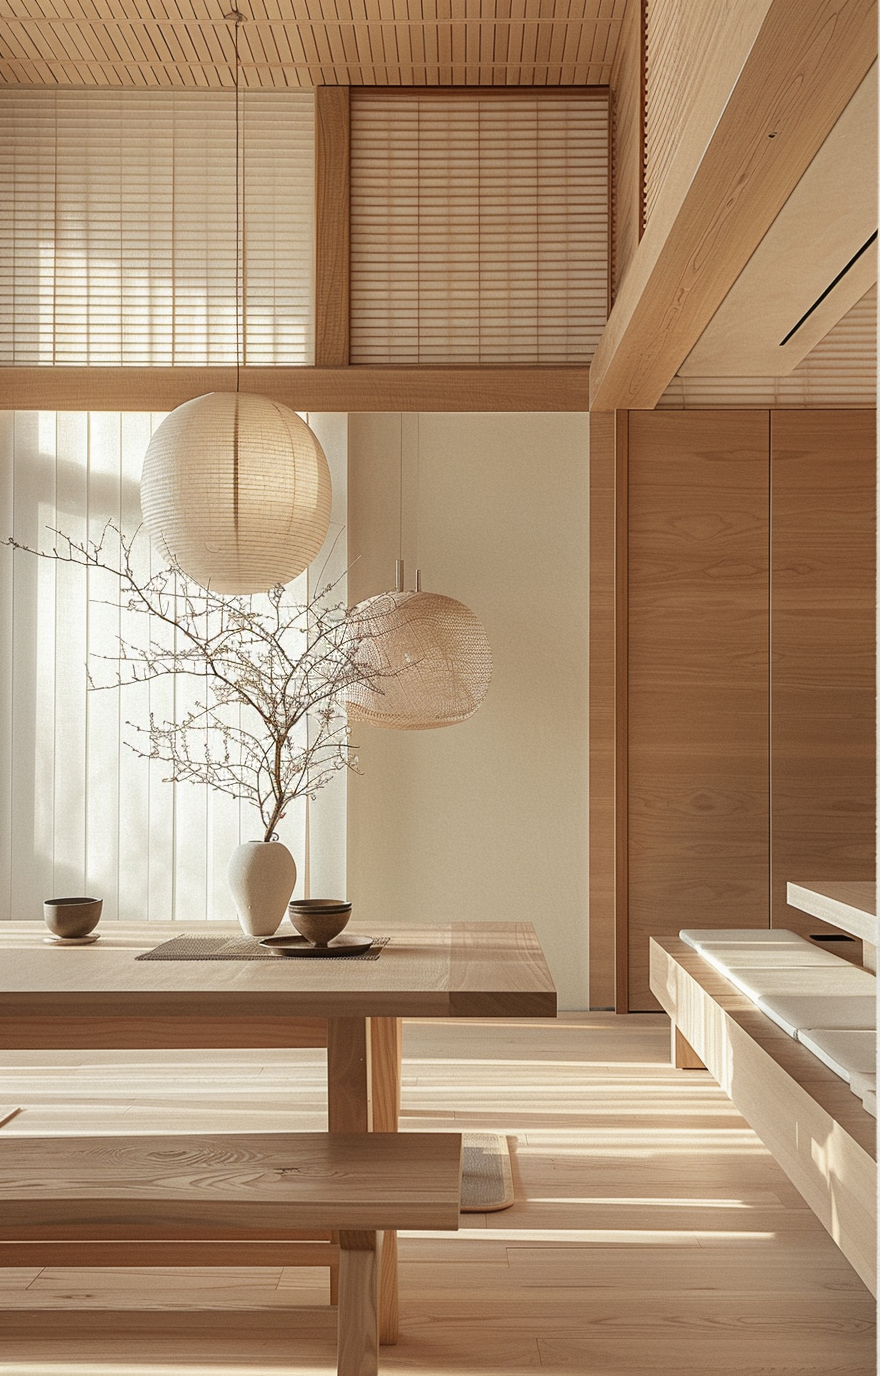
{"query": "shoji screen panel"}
pixel 480 226
pixel 118 227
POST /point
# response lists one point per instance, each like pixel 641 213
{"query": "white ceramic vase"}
pixel 261 876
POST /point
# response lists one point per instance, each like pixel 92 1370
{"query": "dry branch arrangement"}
pixel 273 673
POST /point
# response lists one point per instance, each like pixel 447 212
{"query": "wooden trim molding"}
pixel 366 387
pixel 742 154
pixel 621 710
pixel 332 225
pixel 602 711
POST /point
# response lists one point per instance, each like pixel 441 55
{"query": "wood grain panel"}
pixel 362 388
pixel 602 713
pixel 626 89
pixel 787 72
pixel 332 225
pixel 822 679
pixel 698 785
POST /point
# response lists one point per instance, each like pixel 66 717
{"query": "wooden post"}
pixel 332 228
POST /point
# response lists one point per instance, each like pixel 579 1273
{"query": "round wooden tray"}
pixel 346 944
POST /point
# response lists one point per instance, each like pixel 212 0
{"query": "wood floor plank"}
pixel 652 1231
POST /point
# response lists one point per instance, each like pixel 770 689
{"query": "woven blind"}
pixel 118 227
pixel 479 227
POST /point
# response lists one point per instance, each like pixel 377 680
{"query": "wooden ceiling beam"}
pixel 363 387
pixel 740 158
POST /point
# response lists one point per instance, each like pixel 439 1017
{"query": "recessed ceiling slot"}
pixel 831 285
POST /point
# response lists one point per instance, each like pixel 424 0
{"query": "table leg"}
pixel 363 1094
pixel 385 1043
pixel 348 1089
pixel 348 1075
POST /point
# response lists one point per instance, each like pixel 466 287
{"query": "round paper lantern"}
pixel 430 661
pixel 236 489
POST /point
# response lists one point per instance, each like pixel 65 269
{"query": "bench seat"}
pixel 808 1117
pixel 229 1188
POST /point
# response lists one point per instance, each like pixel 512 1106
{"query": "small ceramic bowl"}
pixel 72 917
pixel 319 920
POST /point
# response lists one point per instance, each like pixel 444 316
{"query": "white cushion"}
pixel 743 955
pixel 695 936
pixel 843 1051
pixel 792 1012
pixel 756 982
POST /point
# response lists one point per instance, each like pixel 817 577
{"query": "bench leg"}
pixel 358 1333
pixel 683 1055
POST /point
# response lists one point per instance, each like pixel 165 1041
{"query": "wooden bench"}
pixel 151 1200
pixel 816 1128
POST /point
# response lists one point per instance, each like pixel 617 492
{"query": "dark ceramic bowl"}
pixel 319 920
pixel 72 917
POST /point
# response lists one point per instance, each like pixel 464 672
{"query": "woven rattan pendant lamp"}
pixel 429 659
pixel 235 487
pixel 428 655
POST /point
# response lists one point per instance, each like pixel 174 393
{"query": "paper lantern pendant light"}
pixel 430 659
pixel 236 490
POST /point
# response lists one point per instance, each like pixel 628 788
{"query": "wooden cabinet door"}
pixel 698 677
pixel 823 600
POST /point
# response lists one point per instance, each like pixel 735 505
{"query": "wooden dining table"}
pixel 102 997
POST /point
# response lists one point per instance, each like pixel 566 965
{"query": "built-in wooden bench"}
pixel 815 1126
pixel 150 1200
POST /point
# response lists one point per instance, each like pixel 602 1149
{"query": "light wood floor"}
pixel 652 1231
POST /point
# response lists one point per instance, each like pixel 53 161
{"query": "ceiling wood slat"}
pixel 284 43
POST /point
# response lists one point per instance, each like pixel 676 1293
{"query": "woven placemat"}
pixel 237 948
pixel 486 1173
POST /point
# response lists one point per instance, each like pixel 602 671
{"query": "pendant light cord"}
pixel 238 19
pixel 239 228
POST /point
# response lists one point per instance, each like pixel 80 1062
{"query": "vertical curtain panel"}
pixel 118 227
pixel 479 228
pixel 80 812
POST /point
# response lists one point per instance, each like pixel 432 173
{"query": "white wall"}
pixel 487 820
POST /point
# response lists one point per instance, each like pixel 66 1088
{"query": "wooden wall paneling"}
pixel 362 388
pixel 823 608
pixel 332 225
pixel 602 713
pixel 780 67
pixel 626 89
pixel 698 678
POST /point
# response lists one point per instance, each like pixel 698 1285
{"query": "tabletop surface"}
pixel 848 904
pixel 454 969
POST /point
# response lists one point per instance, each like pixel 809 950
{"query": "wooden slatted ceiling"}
pixel 286 43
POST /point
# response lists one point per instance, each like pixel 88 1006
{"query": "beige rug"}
pixel 487 1177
